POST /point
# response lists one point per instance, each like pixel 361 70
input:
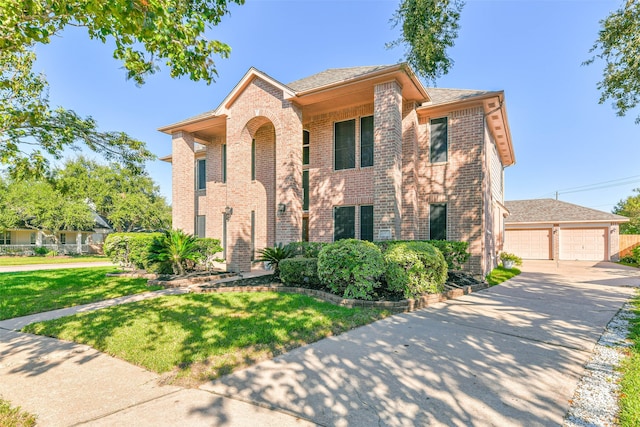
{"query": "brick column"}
pixel 183 181
pixel 387 159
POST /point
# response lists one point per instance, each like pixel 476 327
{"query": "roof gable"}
pixel 556 211
pixel 332 76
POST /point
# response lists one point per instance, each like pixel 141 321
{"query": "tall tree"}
pixel 129 200
pixel 37 205
pixel 630 207
pixel 145 33
pixel 618 45
pixel 429 28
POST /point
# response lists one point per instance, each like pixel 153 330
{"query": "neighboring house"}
pixel 551 229
pixel 25 240
pixel 362 152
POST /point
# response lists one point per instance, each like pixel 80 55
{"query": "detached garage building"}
pixel 551 229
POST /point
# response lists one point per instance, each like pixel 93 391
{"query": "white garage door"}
pixel 585 244
pixel 529 244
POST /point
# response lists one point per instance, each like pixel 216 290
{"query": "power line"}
pixel 595 186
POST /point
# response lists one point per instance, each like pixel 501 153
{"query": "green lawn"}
pixel 630 392
pixel 501 274
pixel 198 337
pixel 30 260
pixel 14 417
pixel 31 292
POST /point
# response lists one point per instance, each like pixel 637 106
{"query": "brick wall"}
pixel 183 182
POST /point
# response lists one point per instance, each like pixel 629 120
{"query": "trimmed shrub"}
pixel 274 256
pixel 300 271
pixel 455 253
pixel 414 268
pixel 636 254
pixel 208 249
pixel 130 250
pixel 351 268
pixel 306 249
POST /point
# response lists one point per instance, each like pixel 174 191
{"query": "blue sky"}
pixel 533 50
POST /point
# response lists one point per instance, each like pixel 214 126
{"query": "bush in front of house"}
pixel 208 249
pixel 306 249
pixel 273 256
pixel 351 268
pixel 414 268
pixel 130 250
pixel 299 271
pixel 455 253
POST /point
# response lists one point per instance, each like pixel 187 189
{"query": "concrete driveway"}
pixel 511 355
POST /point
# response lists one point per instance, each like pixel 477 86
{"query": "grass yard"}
pixel 31 260
pixel 630 392
pixel 14 417
pixel 198 337
pixel 501 274
pixel 30 292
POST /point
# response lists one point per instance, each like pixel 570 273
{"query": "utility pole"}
pixel 556 195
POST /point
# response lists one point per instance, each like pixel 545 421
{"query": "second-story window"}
pixel 438 141
pixel 224 162
pixel 201 178
pixel 253 160
pixel 345 145
pixel 305 147
pixel 366 141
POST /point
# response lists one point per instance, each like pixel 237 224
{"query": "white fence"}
pixel 69 248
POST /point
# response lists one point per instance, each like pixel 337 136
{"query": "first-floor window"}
pixel 201 222
pixel 5 237
pixel 305 228
pixel 438 221
pixel 344 224
pixel 63 238
pixel 366 223
pixel 32 238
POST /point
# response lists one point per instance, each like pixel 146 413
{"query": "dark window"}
pixel 201 222
pixel 344 224
pixel 253 159
pixel 63 239
pixel 305 190
pixel 224 163
pixel 439 140
pixel 438 221
pixel 345 145
pixel 202 175
pixel 5 237
pixel 305 147
pixel 366 223
pixel 224 236
pixel 32 238
pixel 305 228
pixel 366 141
pixel 253 235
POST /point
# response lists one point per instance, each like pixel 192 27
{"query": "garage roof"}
pixel 555 211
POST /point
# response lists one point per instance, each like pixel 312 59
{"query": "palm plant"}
pixel 274 255
pixel 175 247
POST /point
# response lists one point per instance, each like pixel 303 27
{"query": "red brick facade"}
pixel 401 185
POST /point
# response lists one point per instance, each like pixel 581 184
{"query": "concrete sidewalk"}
pixel 510 355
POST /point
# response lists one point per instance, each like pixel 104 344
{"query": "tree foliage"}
pixel 630 207
pixel 618 45
pixel 129 200
pixel 429 28
pixel 38 205
pixel 145 33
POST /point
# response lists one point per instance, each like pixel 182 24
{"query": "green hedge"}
pixel 351 268
pixel 130 250
pixel 455 253
pixel 300 271
pixel 636 254
pixel 306 249
pixel 414 268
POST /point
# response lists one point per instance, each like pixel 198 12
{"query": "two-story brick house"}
pixel 364 152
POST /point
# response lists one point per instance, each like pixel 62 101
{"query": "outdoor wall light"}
pixel 282 208
pixel 228 211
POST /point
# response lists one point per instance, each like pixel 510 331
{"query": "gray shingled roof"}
pixel 442 96
pixel 333 75
pixel 550 210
